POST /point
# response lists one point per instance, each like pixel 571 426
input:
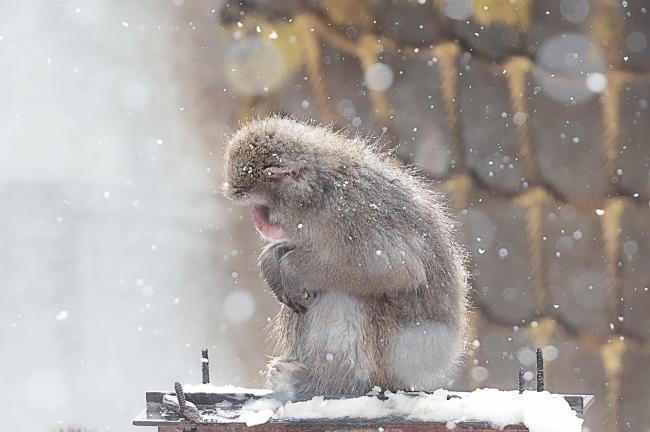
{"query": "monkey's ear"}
pixel 289 172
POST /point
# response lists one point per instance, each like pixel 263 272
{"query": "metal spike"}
pixel 540 370
pixel 520 380
pixel 180 394
pixel 205 366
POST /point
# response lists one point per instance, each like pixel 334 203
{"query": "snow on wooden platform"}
pixel 229 408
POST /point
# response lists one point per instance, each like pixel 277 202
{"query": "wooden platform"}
pixel 228 405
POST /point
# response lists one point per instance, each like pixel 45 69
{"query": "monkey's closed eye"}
pixel 282 173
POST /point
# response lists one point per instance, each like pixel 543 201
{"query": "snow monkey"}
pixel 362 254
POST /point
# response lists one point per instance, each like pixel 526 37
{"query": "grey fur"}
pixel 375 283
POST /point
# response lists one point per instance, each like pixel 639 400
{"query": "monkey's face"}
pixel 272 177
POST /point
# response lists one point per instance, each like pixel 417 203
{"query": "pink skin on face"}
pixel 262 224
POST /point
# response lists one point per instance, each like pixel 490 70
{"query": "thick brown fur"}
pixel 369 265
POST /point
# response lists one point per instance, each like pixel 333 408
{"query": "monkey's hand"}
pixel 278 277
pixel 296 278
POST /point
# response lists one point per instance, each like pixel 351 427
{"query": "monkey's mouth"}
pixel 263 225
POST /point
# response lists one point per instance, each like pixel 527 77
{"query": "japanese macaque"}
pixel 362 254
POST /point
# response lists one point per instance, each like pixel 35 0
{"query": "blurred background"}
pixel 120 260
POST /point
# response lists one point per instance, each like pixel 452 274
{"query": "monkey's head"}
pixel 272 166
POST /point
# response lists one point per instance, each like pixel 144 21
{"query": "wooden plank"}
pixel 343 426
pixel 156 415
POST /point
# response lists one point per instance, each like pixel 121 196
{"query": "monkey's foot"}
pixel 286 376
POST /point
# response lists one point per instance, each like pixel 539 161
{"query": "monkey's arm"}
pixel 283 283
pixel 269 261
pixel 304 276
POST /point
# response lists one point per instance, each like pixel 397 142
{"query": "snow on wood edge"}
pixel 539 412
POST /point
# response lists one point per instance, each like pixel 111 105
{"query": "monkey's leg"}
pixel 424 355
pixel 287 373
pixel 323 351
pixel 336 346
